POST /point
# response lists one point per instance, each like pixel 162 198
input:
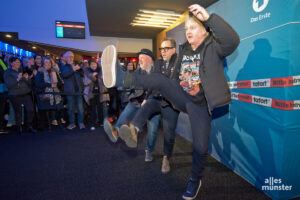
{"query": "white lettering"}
pixel 191 58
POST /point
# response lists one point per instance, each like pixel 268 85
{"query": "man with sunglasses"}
pixel 156 104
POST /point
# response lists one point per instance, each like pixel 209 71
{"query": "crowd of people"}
pixel 125 100
pixel 56 93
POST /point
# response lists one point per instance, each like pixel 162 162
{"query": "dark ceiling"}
pixel 112 18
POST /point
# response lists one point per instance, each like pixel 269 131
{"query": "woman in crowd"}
pixel 92 82
pixel 47 80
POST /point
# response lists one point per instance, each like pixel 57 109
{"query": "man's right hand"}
pixel 20 76
pixel 76 67
pixel 143 103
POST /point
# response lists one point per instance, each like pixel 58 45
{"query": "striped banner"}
pixel 266 83
pixel 267 102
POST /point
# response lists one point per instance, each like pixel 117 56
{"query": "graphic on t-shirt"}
pixel 189 76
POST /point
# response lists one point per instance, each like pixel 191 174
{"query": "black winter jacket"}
pixel 72 80
pixel 221 42
pixel 15 87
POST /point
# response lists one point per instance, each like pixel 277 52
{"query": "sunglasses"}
pixel 165 48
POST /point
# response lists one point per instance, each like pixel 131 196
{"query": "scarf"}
pixel 51 77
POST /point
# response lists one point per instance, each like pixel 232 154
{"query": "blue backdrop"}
pixel 261 144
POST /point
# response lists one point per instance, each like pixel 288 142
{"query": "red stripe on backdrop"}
pixel 283 105
pixel 244 84
pixel 282 82
pixel 245 98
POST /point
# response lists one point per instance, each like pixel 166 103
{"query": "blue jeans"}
pixel 75 100
pixel 152 125
pixel 126 115
pixel 169 119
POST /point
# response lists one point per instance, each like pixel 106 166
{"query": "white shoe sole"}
pixel 191 198
pixel 108 131
pixel 108 63
pixel 125 135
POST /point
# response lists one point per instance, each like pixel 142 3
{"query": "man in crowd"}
pixel 73 86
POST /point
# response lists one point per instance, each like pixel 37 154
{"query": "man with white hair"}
pixel 73 86
pixel 136 101
pixel 200 84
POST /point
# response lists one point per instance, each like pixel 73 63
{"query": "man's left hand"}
pixel 199 12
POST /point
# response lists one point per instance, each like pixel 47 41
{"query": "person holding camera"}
pixel 19 90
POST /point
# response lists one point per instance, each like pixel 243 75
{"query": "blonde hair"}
pixel 193 18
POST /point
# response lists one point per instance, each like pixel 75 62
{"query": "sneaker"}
pixel 148 156
pixel 129 135
pixel 92 128
pixel 108 63
pixel 192 189
pixel 62 121
pixel 165 167
pixel 54 123
pixel 9 125
pixel 81 126
pixel 3 131
pixel 71 126
pixel 110 131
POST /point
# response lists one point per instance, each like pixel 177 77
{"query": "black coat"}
pixel 71 79
pixel 21 87
pixel 220 43
pixel 40 86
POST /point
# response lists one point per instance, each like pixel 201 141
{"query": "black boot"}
pixel 21 131
pixel 49 128
pixel 32 130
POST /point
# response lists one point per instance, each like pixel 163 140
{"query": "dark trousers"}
pixel 199 116
pixel 114 103
pixel 2 110
pixel 169 119
pixel 17 102
pixel 96 107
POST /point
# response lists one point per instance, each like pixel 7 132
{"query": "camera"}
pixel 26 70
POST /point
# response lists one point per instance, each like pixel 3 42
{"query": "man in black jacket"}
pixel 136 102
pixel 73 86
pixel 199 85
pixel 156 104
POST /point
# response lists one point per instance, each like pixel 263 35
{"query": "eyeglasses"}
pixel 165 49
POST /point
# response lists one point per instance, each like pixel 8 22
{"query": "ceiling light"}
pixel 161 12
pixel 158 18
pixel 150 25
pixel 152 22
pixel 34 47
pixel 8 36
